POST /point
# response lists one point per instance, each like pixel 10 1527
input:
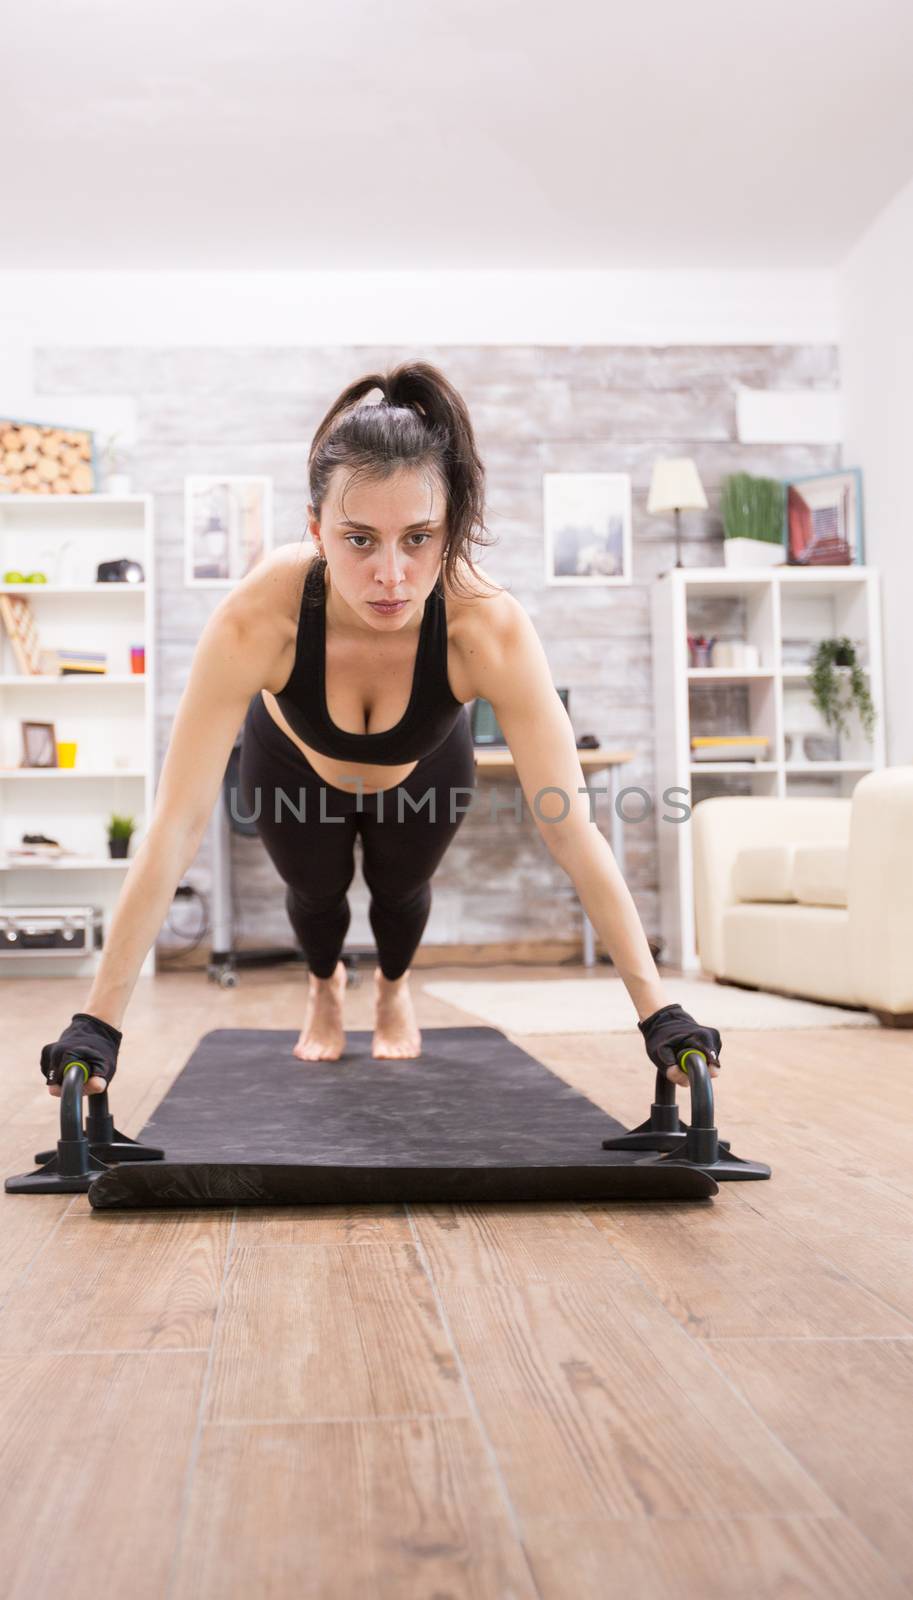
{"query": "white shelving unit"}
pixel 774 608
pixel 110 717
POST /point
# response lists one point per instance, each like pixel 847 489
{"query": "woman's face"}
pixel 383 541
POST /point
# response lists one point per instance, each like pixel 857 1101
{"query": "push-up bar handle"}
pixel 73 1146
pixel 693 1063
pixel 701 1140
pixel 100 1126
pixel 100 1139
pixel 71 1097
pixel 698 1075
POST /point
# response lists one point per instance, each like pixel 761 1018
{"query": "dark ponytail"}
pixel 422 421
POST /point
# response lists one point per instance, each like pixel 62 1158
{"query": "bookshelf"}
pixel 783 612
pixel 109 716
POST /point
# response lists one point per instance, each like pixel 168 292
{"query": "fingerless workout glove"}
pixel 670 1030
pixel 88 1039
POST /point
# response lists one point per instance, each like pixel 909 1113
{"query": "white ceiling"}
pixel 451 133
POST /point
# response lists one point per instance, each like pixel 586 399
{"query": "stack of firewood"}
pixel 36 459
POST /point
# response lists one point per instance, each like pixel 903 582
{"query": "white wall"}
pixel 293 308
pixel 876 316
pixel 412 309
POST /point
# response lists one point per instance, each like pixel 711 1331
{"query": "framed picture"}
pixel 39 744
pixel 42 458
pixel 587 519
pixel 824 525
pixel 228 528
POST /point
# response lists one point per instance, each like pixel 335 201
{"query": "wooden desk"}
pixel 497 761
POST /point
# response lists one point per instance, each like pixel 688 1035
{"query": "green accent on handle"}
pixel 691 1052
pixel 79 1064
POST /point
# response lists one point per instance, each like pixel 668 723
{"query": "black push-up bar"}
pixel 687 1145
pixel 81 1154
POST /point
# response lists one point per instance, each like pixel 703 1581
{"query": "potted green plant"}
pixel 114 464
pixel 120 830
pixel 838 683
pixel 753 521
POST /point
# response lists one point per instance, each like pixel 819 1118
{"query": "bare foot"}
pixel 396 1034
pixel 322 1038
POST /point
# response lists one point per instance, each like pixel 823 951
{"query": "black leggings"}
pixel 311 843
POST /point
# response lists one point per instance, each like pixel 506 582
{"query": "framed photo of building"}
pixel 824 524
pixel 228 528
pixel 587 521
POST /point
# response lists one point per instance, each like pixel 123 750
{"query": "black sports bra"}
pixel 429 717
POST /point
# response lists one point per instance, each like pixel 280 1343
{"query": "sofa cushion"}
pixel 800 950
pixel 764 872
pixel 810 874
pixel 821 874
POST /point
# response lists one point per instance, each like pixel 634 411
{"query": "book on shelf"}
pixel 66 663
pixel 22 629
pixel 729 746
pixel 37 846
pixel 36 852
pixel 23 855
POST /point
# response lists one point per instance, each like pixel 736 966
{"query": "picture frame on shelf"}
pixel 40 458
pixel 587 523
pixel 228 527
pixel 824 519
pixel 39 744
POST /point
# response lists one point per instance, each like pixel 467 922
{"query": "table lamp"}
pixel 676 486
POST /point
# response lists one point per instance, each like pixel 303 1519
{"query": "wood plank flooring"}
pixel 522 1402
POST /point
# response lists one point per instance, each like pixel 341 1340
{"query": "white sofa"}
pixel 811 897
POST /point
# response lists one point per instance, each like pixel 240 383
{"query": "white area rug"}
pixel 603 1005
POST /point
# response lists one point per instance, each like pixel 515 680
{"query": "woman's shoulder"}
pixel 479 627
pixel 479 611
pixel 272 590
pixel 265 608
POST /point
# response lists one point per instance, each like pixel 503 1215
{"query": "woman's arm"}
pixel 235 656
pixel 509 668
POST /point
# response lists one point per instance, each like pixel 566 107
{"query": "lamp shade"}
pixel 676 486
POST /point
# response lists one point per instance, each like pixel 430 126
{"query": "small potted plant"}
pixel 114 462
pixel 838 683
pixel 753 521
pixel 120 830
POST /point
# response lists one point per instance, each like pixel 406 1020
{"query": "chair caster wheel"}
pixel 225 977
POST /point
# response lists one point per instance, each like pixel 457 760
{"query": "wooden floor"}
pixel 709 1399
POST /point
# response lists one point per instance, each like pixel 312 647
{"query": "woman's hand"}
pixel 670 1030
pixel 86 1039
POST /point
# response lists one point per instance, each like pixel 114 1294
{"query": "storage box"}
pixel 49 930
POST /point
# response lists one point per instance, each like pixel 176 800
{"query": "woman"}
pixel 350 671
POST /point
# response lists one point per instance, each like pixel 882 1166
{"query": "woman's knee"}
pixel 317 897
pixel 395 896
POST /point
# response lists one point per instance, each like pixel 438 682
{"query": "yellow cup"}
pixel 66 754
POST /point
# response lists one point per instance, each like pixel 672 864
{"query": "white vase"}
pixel 742 552
pixel 117 483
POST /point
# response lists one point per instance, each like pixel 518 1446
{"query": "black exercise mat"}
pixel 473 1118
